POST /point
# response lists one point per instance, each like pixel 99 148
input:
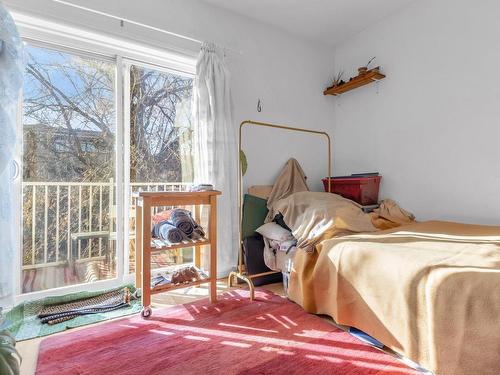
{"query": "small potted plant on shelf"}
pixel 364 69
pixel 337 80
pixel 10 359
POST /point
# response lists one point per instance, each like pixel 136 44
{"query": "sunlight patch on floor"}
pixel 165 333
pixel 197 338
pixel 276 350
pixel 249 328
pixel 236 344
pixel 277 320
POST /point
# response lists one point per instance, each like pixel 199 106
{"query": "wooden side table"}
pixel 145 244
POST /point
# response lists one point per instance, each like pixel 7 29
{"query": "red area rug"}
pixel 234 336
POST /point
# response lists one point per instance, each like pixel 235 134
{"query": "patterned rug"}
pixel 233 336
pixel 25 324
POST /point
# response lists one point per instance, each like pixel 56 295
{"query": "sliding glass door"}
pixel 69 136
pixel 95 129
pixel 159 135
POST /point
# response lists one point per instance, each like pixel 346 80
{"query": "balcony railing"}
pixel 53 212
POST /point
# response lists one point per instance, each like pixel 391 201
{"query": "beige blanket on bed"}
pixel 314 217
pixel 430 291
pixel 291 179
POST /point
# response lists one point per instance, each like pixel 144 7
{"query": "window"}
pixel 160 138
pixel 160 126
pixel 69 103
pixel 72 206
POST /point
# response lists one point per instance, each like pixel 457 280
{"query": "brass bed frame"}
pixel 241 273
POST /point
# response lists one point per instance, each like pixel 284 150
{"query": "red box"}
pixel 363 190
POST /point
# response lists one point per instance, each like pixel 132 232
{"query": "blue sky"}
pixel 67 80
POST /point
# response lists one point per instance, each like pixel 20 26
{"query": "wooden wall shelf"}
pixel 369 77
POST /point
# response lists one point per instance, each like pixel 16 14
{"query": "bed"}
pixel 430 290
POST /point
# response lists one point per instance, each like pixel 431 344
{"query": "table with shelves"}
pixel 145 244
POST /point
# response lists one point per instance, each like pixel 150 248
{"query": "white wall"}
pixel 433 130
pixel 286 73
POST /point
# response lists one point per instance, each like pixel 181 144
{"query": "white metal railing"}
pixel 53 211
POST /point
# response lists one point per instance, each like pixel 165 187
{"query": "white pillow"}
pixel 273 231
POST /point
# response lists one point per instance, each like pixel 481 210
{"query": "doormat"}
pixel 24 324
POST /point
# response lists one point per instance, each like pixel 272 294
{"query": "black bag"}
pixel 253 256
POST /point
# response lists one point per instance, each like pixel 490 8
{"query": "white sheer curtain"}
pixel 215 148
pixel 11 76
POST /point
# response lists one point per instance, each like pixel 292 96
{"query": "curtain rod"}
pixel 121 19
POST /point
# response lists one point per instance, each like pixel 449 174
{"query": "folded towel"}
pixel 168 232
pixel 161 216
pixel 179 226
pixel 198 233
pixel 182 219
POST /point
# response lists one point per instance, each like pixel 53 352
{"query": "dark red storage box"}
pixel 361 189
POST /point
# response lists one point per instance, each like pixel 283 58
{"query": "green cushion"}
pixel 254 213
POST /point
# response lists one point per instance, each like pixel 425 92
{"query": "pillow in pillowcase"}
pixel 275 232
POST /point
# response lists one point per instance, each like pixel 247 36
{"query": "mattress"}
pixel 428 290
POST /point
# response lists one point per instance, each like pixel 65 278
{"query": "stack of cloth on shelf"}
pixel 175 226
pixel 105 302
pixel 182 276
pixel 202 187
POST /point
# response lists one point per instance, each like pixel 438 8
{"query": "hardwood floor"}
pixel 29 348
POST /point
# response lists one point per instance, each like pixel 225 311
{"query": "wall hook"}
pixel 259 106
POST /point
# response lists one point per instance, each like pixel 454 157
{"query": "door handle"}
pixel 16 170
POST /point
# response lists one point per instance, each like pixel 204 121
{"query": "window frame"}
pixel 123 53
pixel 126 64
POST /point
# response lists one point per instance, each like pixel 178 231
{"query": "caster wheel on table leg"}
pixel 146 312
